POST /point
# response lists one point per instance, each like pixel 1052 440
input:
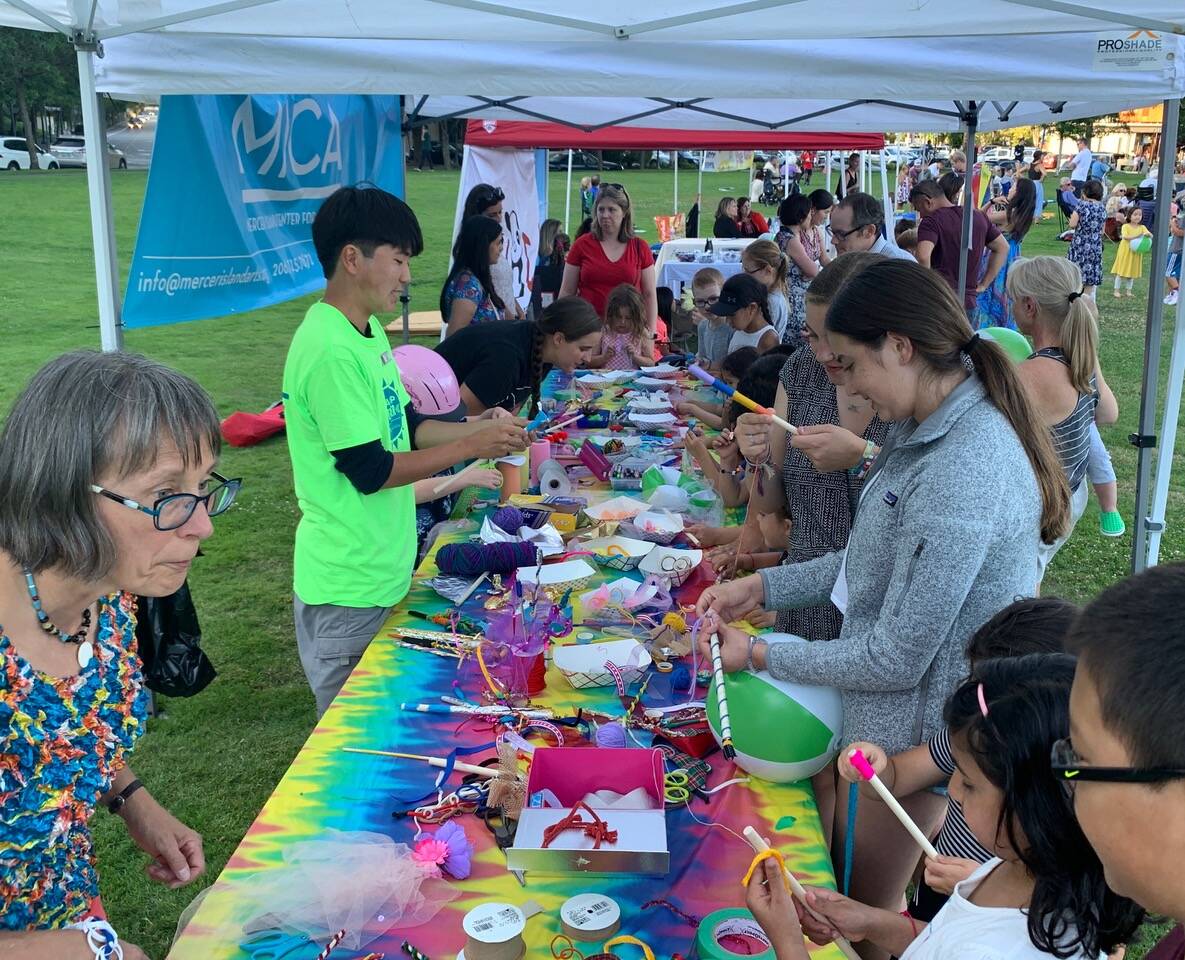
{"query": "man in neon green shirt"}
pixel 351 441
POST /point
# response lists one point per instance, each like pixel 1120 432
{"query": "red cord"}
pixel 596 829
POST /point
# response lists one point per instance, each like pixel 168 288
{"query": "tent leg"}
pixel 890 213
pixel 971 122
pixel 1168 435
pixel 675 165
pixel 568 196
pixel 699 180
pixel 98 182
pixel 1145 439
pixel 862 180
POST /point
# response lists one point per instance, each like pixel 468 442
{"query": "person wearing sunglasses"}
pixel 1124 761
pixel 609 255
pixel 858 224
pixel 485 200
pixel 107 488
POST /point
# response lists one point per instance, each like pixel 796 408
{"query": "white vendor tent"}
pixel 870 65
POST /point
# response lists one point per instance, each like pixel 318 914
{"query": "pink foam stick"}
pixel 864 768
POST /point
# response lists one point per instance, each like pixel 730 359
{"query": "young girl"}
pixel 1086 247
pixel 1042 894
pixel 1028 626
pixel 1129 264
pixel 765 263
pixel 624 343
pixel 760 384
pixel 745 302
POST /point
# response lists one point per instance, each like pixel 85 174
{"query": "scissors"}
pixel 274 944
pixel 676 787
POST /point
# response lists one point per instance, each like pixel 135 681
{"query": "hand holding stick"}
pixel 864 768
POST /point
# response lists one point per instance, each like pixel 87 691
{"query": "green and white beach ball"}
pixel 782 731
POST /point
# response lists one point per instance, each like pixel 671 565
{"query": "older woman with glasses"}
pixel 107 486
pixel 611 254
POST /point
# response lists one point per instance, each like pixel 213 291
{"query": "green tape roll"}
pixel 720 924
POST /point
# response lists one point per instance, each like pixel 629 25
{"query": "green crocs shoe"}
pixel 1111 524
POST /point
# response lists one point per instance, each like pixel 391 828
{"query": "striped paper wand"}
pixel 721 699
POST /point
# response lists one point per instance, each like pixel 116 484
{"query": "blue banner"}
pixel 234 185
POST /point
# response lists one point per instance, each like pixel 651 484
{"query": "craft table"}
pixel 328 789
pixel 676 274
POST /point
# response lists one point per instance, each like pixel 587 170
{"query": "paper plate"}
pixel 663 371
pixel 654 383
pixel 618 508
pixel 652 419
pixel 553 574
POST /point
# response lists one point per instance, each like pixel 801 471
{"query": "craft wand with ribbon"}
pixel 731 392
pixel 431 761
pixel 760 846
pixel 864 768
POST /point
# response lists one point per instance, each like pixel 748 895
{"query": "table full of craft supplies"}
pixel 526 761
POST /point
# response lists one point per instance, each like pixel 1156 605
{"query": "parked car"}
pixel 996 154
pixel 581 160
pixel 14 155
pixel 135 122
pixel 662 159
pixel 71 152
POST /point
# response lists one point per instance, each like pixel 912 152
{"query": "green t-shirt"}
pixel 342 389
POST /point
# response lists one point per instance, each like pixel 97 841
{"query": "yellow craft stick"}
pixel 759 844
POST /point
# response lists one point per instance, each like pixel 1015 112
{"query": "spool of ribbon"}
pixel 736 926
pixel 494 931
pixel 590 917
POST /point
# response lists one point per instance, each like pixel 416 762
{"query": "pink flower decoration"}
pixel 448 849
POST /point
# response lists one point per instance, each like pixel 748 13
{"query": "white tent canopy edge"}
pixel 880 67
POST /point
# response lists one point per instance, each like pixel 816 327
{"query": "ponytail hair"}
pixel 767 254
pixel 570 317
pixel 899 296
pixel 1055 283
pixel 1007 717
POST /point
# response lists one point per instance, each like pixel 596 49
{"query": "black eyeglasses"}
pixel 844 234
pixel 704 302
pixel 1066 766
pixel 171 512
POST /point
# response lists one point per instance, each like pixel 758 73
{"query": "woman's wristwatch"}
pixel 753 641
pixel 120 799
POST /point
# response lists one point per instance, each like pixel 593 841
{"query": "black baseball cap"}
pixel 739 291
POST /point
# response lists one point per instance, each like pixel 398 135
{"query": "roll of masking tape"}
pixel 738 928
pixel 590 917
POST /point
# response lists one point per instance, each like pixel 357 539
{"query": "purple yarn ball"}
pixel 509 518
pixel 474 559
pixel 610 735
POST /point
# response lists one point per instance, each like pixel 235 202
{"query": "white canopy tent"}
pixel 881 65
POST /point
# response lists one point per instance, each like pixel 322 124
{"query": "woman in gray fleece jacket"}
pixel 945 534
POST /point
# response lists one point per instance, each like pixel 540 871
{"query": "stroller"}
pixel 771 191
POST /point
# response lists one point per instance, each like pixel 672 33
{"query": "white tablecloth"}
pixel 671 247
pixel 675 274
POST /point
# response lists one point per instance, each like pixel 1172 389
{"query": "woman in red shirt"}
pixel 610 255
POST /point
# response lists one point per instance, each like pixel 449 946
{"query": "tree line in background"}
pixel 39 97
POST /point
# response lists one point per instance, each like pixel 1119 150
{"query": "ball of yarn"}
pixel 474 559
pixel 610 735
pixel 681 678
pixel 509 518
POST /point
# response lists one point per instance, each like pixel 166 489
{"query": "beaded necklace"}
pixel 86 649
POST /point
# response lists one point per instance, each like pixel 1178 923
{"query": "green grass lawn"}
pixel 214 759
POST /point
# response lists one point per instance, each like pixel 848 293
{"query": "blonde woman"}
pixel 765 263
pixel 1063 377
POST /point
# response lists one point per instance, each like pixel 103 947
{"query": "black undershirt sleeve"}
pixel 367 466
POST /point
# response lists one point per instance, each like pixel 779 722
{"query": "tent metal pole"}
pixel 890 213
pixel 675 166
pixel 568 196
pixel 970 123
pixel 861 179
pixel 405 293
pixel 699 180
pixel 98 179
pixel 1168 432
pixel 1145 439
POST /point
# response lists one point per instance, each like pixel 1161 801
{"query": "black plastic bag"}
pixel 169 638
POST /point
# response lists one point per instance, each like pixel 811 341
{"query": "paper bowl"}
pixel 557 578
pixel 618 553
pixel 583 665
pixel 671 564
pixel 618 508
pixel 664 371
pixel 654 383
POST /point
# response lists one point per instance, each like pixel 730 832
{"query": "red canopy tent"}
pixel 559 136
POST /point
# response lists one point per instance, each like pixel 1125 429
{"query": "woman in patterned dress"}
pixel 107 486
pixel 468 295
pixel 795 215
pixel 820 494
pixel 1086 249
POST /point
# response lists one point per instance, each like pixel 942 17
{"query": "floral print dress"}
pixel 1086 249
pixel 62 741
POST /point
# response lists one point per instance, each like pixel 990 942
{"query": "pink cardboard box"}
pixel 571 773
